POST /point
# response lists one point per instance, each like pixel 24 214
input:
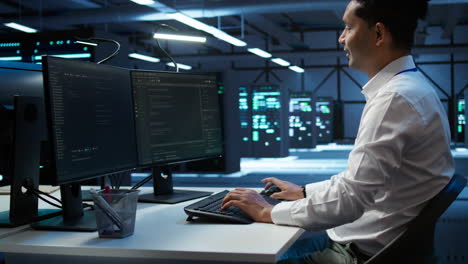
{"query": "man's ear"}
pixel 380 34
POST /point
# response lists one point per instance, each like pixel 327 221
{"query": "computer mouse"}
pixel 273 189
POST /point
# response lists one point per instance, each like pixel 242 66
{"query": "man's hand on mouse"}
pixel 289 191
pixel 250 202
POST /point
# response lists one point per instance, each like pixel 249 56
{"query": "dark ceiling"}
pixel 278 23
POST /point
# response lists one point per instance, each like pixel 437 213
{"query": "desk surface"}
pixel 5 206
pixel 162 233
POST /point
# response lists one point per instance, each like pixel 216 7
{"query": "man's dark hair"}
pixel 399 16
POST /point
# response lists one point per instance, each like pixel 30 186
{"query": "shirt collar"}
pixel 388 72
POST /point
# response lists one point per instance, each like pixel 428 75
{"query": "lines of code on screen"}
pixel 91 117
pixel 177 116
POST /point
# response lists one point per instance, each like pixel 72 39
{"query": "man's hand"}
pixel 251 203
pixel 289 191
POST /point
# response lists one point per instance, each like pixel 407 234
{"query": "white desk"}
pixel 5 206
pixel 162 235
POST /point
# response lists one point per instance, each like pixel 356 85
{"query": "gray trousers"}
pixel 318 248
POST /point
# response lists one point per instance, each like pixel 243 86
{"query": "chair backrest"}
pixel 416 244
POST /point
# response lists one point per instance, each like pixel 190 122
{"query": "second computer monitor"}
pixel 177 117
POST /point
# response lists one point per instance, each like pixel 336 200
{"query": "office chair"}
pixel 416 244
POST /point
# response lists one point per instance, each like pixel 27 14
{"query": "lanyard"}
pixel 408 70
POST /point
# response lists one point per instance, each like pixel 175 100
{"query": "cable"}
pixel 34 191
pixel 140 183
pixel 104 40
pixel 86 205
pixel 46 194
pixel 38 193
pixel 168 26
pixel 169 56
pixel 113 54
pixel 164 51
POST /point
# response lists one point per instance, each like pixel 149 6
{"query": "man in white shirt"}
pixel 401 157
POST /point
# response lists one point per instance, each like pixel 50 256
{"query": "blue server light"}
pixel 11 58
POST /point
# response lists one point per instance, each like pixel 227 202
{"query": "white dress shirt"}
pixel 400 160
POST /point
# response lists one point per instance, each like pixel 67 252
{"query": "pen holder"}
pixel 115 212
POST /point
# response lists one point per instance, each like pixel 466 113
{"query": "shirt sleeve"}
pixel 310 188
pixel 386 124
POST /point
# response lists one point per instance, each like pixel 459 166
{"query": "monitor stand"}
pixel 163 191
pixel 74 218
pixel 26 156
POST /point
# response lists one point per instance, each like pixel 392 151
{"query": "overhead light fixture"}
pixel 192 22
pixel 20 27
pixel 67 56
pixel 228 38
pixel 281 62
pixel 206 28
pixel 143 2
pixel 296 69
pixel 143 57
pixel 180 66
pixel 260 52
pixel 179 37
pixel 86 43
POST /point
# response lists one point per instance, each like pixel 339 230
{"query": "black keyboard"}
pixel 210 207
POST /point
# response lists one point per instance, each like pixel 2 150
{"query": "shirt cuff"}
pixel 281 213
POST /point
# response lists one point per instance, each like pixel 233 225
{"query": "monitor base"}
pixel 87 223
pixel 42 214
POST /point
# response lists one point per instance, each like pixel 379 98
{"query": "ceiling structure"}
pixel 268 24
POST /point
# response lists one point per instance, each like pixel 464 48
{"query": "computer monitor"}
pixel 91 130
pixel 178 119
pixel 22 131
pixel 16 79
pixel 20 79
